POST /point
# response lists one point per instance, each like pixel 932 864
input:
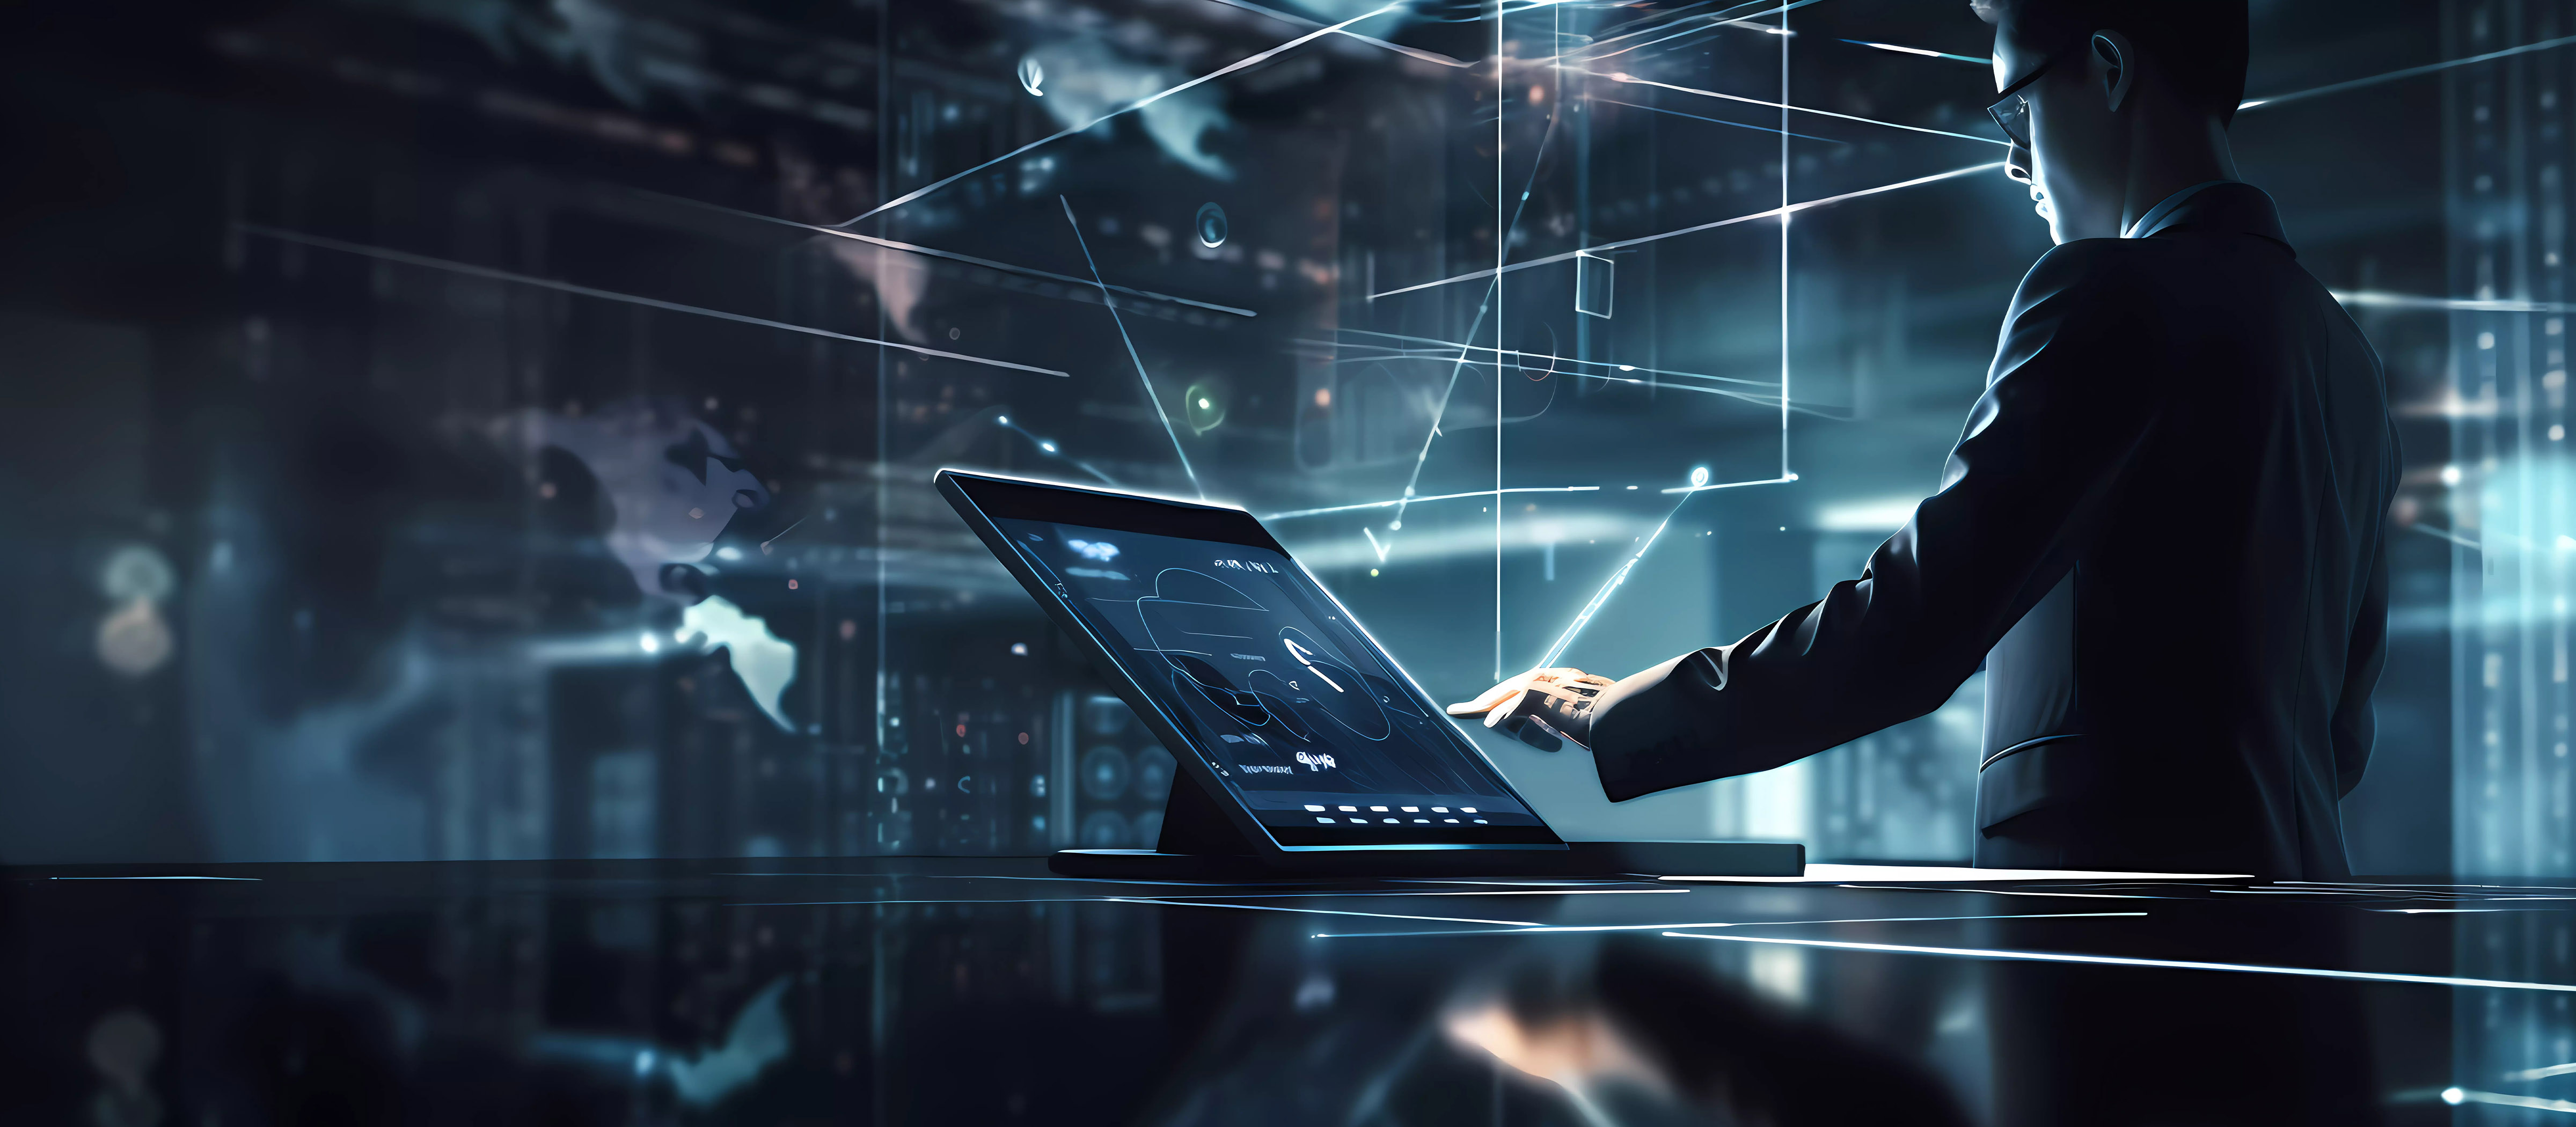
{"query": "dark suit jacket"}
pixel 2160 532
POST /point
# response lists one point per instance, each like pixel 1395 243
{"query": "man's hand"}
pixel 1541 707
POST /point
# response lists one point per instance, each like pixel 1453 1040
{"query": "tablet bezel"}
pixel 982 499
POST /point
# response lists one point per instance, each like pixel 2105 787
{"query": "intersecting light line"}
pixel 2409 72
pixel 2120 961
pixel 933 252
pixel 1398 48
pixel 1926 52
pixel 2382 299
pixel 1730 393
pixel 1553 929
pixel 1130 342
pixel 1502 250
pixel 1254 59
pixel 1785 166
pixel 1672 18
pixel 1048 447
pixel 470 270
pixel 1603 595
pixel 2541 1073
pixel 1772 213
pixel 1783 479
pixel 1445 346
pixel 1715 120
pixel 1717 19
pixel 2457 1096
pixel 1783 104
pixel 1312 911
pixel 1293 515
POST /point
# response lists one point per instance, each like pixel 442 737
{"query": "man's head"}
pixel 2094 86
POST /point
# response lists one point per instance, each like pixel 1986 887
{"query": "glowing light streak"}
pixel 1553 929
pixel 934 252
pixel 488 273
pixel 2541 1073
pixel 1926 52
pixel 1502 250
pixel 1517 354
pixel 1297 513
pixel 1316 911
pixel 1130 342
pixel 2456 1096
pixel 1602 596
pixel 2122 961
pixel 1719 121
pixel 1398 48
pixel 1733 17
pixel 2409 72
pixel 1251 60
pixel 1048 447
pixel 1783 479
pixel 2380 299
pixel 1783 105
pixel 1641 240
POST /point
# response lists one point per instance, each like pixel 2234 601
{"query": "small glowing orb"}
pixel 1032 76
pixel 1211 225
pixel 1699 476
pixel 2453 1095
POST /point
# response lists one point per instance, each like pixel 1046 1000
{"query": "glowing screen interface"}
pixel 1305 724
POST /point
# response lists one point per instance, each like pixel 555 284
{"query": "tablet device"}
pixel 1304 746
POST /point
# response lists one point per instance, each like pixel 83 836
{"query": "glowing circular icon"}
pixel 1211 225
pixel 1204 407
pixel 1699 476
pixel 1032 75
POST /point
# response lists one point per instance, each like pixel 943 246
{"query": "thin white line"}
pixel 1138 104
pixel 1398 48
pixel 1602 596
pixel 1783 479
pixel 1641 240
pixel 931 252
pixel 1549 929
pixel 1406 353
pixel 2500 1099
pixel 1150 395
pixel 2383 300
pixel 1784 246
pixel 470 270
pixel 1316 911
pixel 1502 250
pixel 2541 1073
pixel 2117 961
pixel 1785 108
pixel 1435 497
pixel 2409 72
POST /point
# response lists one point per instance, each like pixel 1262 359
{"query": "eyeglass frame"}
pixel 2013 94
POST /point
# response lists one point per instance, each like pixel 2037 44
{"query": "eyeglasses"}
pixel 2012 111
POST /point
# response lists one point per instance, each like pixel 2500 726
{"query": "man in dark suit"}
pixel 2161 531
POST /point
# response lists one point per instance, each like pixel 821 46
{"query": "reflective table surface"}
pixel 902 991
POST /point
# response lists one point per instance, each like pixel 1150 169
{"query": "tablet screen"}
pixel 1314 734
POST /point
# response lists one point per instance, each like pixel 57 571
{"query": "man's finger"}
pixel 1491 697
pixel 1508 710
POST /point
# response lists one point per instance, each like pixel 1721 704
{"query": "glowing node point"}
pixel 1211 225
pixel 2453 1095
pixel 1049 447
pixel 1699 476
pixel 1032 75
pixel 1395 526
pixel 1004 420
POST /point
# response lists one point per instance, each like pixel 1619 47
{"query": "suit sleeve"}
pixel 2074 396
pixel 2354 727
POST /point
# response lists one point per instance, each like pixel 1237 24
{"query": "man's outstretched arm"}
pixel 2077 391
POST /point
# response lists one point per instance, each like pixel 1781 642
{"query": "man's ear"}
pixel 2119 60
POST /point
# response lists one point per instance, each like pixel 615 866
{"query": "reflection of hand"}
pixel 1576 1051
pixel 1541 706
